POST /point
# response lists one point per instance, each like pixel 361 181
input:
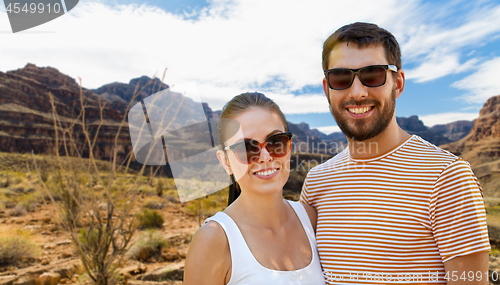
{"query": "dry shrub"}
pixel 18 211
pixel 107 214
pixel 207 206
pixel 147 190
pixel 7 199
pixel 150 219
pixel 18 189
pixel 154 203
pixel 159 187
pixel 172 196
pixel 30 201
pixel 149 244
pixel 6 182
pixel 14 250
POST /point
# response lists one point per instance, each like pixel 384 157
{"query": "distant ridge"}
pixel 27 115
pixel 438 134
pixel 120 94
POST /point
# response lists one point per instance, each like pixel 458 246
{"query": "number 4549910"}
pixel 470 276
pixel 33 8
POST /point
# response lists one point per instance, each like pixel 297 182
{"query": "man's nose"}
pixel 357 89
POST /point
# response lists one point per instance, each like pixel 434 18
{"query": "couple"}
pixel 390 209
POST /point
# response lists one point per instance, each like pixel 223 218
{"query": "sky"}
pixel 450 49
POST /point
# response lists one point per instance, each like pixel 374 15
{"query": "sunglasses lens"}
pixel 278 145
pixel 248 151
pixel 372 76
pixel 340 78
pixel 253 151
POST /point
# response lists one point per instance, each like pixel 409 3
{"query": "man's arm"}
pixel 464 269
pixel 311 212
pixel 458 221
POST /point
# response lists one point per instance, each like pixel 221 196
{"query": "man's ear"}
pixel 224 161
pixel 400 83
pixel 326 89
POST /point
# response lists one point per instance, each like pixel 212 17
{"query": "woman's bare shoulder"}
pixel 212 232
pixel 210 238
pixel 208 257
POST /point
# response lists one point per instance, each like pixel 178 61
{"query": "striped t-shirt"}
pixel 395 218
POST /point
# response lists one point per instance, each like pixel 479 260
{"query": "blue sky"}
pixel 450 49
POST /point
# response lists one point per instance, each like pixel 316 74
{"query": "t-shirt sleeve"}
pixel 457 213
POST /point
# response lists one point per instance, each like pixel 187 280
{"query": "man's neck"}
pixel 384 142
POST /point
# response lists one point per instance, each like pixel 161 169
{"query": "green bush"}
pixel 150 219
pixel 148 245
pixel 16 249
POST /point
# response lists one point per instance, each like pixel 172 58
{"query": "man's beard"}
pixel 367 128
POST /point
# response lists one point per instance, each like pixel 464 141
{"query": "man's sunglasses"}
pixel 370 76
pixel 248 151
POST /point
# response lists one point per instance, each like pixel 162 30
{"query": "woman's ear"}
pixel 224 161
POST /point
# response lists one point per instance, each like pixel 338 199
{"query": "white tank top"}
pixel 245 269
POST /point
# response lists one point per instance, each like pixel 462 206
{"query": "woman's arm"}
pixel 208 260
pixel 311 212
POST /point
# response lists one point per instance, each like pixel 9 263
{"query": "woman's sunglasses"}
pixel 370 76
pixel 248 151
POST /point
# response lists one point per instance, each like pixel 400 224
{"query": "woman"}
pixel 260 238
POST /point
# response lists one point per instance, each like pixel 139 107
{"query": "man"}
pixel 391 208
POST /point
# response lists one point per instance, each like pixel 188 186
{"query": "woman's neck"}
pixel 260 210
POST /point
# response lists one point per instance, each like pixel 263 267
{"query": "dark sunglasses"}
pixel 370 76
pixel 248 151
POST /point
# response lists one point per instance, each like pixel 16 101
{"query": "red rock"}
pixel 48 278
pixel 170 254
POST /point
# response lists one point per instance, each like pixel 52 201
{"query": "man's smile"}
pixel 359 110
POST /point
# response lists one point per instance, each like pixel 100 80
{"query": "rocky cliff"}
pixel 26 117
pixel 27 121
pixel 481 147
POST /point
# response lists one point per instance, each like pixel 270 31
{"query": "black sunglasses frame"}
pixel 356 71
pixel 261 145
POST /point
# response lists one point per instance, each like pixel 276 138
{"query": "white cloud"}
pixel 437 50
pixel 438 67
pixel 329 129
pixel 482 84
pixel 303 104
pixel 445 118
pixel 234 46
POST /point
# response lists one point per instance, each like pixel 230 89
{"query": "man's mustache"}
pixel 360 103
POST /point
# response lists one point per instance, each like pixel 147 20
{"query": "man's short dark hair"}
pixel 363 35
